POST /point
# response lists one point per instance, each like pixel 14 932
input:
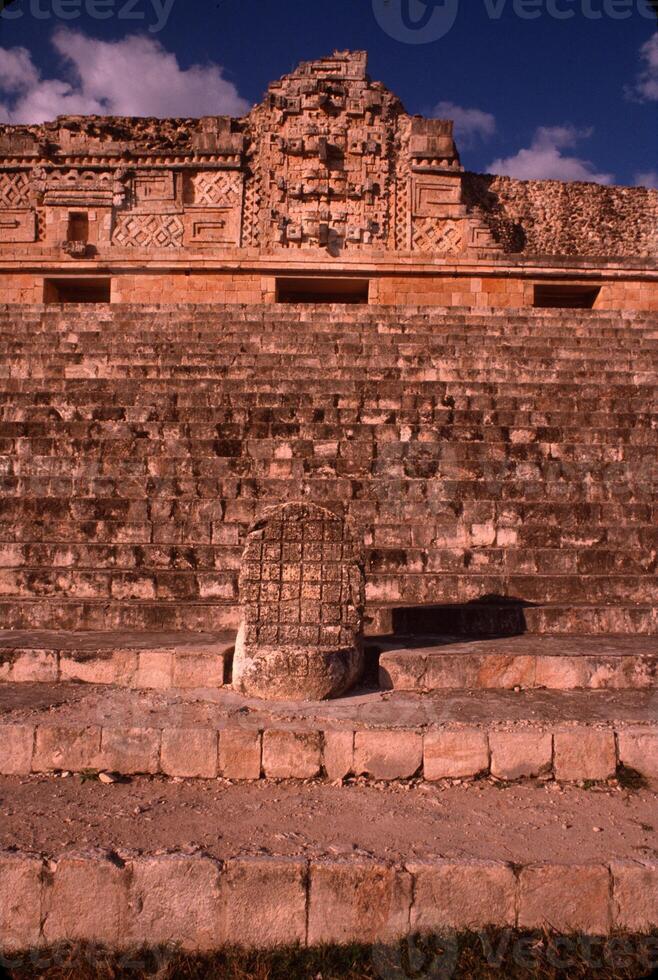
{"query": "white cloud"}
pixel 647 179
pixel 132 77
pixel 544 159
pixel 470 124
pixel 646 84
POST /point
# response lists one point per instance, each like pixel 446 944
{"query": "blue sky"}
pixel 540 88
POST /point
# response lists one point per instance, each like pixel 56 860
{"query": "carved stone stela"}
pixel 329 160
pixel 302 596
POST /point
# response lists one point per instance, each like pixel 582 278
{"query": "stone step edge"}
pixel 157 668
pixel 162 668
pixel 201 903
pixel 562 751
pixel 400 670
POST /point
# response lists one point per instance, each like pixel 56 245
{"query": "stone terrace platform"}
pixel 568 736
pixel 203 660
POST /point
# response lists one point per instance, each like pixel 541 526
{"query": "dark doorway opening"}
pixel 307 289
pixel 565 296
pixel 81 290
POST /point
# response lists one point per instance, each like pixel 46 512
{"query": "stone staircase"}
pixel 501 467
pixel 502 471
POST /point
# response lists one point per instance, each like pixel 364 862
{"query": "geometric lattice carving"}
pixel 149 231
pixel 217 187
pixel 434 235
pixel 14 190
pixel 301 586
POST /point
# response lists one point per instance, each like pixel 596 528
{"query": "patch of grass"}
pixel 89 776
pixel 491 953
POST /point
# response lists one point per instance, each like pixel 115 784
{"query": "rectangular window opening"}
pixel 307 289
pixel 81 290
pixel 565 296
pixel 78 228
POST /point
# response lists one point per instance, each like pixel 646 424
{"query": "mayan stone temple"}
pixel 328 468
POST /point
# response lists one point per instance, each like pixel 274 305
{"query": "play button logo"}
pixel 416 21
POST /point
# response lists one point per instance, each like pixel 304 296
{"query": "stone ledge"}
pixel 201 903
pixel 566 753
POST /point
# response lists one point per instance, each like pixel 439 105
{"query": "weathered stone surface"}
pixel 155 669
pixel 87 900
pixel 302 593
pixel 20 901
pixel 130 750
pixel 338 753
pixel 388 754
pixel 462 895
pixel 16 747
pixel 360 901
pixel 635 895
pixel 263 902
pixel 239 753
pixel 59 747
pixel 568 898
pixel 175 899
pixel 189 752
pixel 463 752
pixel 521 753
pixel 291 755
pixel 584 753
pixel 638 749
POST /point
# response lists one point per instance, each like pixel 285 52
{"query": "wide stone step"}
pixel 568 558
pixel 205 733
pixel 125 659
pixel 519 662
pixel 403 585
pixel 475 619
pixel 491 618
pixel 351 864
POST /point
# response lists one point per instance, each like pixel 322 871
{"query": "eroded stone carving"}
pixel 329 160
pixel 302 595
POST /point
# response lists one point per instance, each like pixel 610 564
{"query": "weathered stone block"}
pixel 567 898
pixel 20 901
pixel 584 753
pixel 291 755
pixel 198 670
pixel 155 669
pixel 263 901
pixel 635 895
pixel 36 666
pixel 16 747
pixel 387 754
pixel 86 900
pixel 457 753
pixel 59 747
pixel 189 752
pixel 462 894
pixel 638 749
pixel 520 753
pixel 338 754
pixel 130 750
pixel 239 753
pixel 360 901
pixel 175 899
